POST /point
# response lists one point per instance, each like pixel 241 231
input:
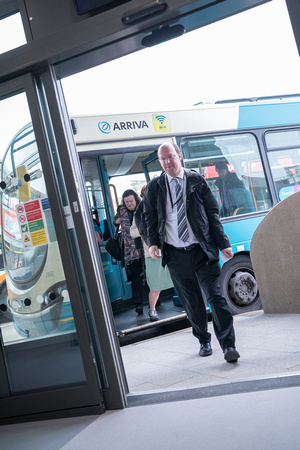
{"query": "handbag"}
pixel 113 246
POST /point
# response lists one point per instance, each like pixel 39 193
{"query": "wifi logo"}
pixel 161 123
pixel 160 119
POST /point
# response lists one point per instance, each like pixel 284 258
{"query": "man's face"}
pixel 170 160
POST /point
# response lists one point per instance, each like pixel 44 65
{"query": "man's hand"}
pixel 154 252
pixel 227 252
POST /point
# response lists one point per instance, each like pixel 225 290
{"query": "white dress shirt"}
pixel 171 234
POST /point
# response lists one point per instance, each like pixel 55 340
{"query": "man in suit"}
pixel 182 220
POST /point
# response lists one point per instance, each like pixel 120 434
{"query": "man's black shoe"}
pixel 139 309
pixel 205 349
pixel 231 355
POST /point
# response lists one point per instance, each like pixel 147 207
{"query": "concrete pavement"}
pixel 180 400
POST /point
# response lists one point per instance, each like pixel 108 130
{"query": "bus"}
pixel 256 141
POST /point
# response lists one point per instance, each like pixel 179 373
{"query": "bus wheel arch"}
pixel 239 285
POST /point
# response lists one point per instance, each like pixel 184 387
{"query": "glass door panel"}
pixel 38 335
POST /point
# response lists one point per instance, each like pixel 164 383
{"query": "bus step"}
pixel 148 325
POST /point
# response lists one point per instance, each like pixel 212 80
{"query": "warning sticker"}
pixel 39 238
pixel 20 208
pixel 24 228
pixel 32 223
pixel 34 215
pixel 22 218
pixel 36 225
pixel 32 205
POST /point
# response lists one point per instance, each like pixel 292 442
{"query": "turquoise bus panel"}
pixel 264 115
pixel 240 233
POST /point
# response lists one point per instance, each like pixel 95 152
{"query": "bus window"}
pixel 232 167
pixel 122 183
pixel 152 167
pixel 125 171
pixel 284 157
pixel 94 193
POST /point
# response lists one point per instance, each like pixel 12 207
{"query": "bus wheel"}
pixel 239 285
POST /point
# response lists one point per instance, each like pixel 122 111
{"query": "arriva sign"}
pixel 106 128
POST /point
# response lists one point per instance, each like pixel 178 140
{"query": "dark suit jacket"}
pixel 202 213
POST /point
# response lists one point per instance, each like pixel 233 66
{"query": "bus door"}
pixel 107 177
pixel 102 198
pixel 151 166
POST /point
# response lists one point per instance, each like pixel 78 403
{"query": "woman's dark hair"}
pixel 221 165
pixel 130 192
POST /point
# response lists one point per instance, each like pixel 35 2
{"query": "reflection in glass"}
pixel 31 255
pixel 37 332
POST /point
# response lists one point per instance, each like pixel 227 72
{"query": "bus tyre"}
pixel 239 285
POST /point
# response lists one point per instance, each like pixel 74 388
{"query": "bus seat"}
pixel 105 229
pixel 242 200
pixel 238 211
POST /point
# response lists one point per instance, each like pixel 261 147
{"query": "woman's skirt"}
pixel 158 277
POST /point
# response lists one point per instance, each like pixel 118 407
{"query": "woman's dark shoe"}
pixel 139 309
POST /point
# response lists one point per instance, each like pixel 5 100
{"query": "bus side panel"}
pixel 264 115
pixel 240 233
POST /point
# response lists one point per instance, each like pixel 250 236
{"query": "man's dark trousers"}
pixel 190 269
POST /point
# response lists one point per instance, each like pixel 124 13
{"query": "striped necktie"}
pixel 183 232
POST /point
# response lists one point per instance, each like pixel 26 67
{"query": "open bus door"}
pixel 102 201
pixel 106 177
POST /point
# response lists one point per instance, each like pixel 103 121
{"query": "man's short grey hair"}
pixel 175 146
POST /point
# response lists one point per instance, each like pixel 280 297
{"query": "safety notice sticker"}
pixel 32 223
